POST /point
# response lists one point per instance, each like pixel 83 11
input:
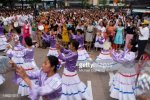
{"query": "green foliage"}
pixel 85 3
pixel 103 2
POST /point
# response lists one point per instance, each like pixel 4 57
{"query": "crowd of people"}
pixel 70 34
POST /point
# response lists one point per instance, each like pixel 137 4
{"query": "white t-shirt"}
pixel 80 27
pixel 145 32
pixel 103 29
pixel 98 27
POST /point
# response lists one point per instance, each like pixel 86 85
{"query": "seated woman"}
pixel 49 86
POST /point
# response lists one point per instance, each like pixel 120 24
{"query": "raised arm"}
pixel 65 51
pixel 65 58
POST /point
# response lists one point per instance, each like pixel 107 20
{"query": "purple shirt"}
pixel 9 35
pixel 52 41
pixel 17 51
pixel 28 54
pixel 100 40
pixel 72 36
pixel 80 39
pixel 49 87
pixel 45 37
pixel 70 59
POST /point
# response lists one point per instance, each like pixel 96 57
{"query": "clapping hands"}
pixel 20 71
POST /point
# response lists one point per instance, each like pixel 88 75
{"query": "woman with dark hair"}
pixel 119 40
pixel 83 55
pixel 123 83
pixel 72 87
pixel 130 30
pixel 26 30
pixel 111 32
pixel 49 87
pixel 29 65
pixel 89 35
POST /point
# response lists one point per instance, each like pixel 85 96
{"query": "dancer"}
pixel 72 87
pixel 99 40
pixel 49 87
pixel 45 40
pixel 104 62
pixel 15 51
pixel 29 65
pixel 123 82
pixel 52 38
pixel 83 56
pixel 3 40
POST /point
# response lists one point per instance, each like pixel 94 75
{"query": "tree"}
pixel 9 3
pixel 84 3
pixel 103 2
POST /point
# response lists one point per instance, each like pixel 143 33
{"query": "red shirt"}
pixel 26 30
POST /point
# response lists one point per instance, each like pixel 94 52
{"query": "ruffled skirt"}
pixel 83 57
pixel 72 87
pixel 123 86
pixel 98 45
pixel 18 60
pixel 23 89
pixel 2 79
pixel 3 42
pixel 144 81
pixel 105 63
pixel 52 51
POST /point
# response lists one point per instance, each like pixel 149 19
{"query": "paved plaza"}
pixel 98 83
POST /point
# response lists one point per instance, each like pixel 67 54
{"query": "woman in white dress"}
pixel 28 65
pixel 122 84
pixel 72 87
pixel 104 62
pixel 99 40
pixel 89 35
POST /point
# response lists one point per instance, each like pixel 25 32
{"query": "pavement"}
pixel 98 82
